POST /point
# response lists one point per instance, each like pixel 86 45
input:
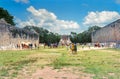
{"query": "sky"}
pixel 63 16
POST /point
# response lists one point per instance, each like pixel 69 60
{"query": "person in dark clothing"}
pixel 75 48
pixel 30 45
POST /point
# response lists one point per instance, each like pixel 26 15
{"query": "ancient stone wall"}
pixel 109 33
pixel 65 40
pixel 9 40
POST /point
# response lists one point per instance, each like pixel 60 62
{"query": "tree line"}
pixel 85 36
pixel 46 36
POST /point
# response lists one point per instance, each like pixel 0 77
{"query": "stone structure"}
pixel 10 36
pixel 65 40
pixel 108 34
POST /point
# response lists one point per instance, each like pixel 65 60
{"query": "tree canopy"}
pixel 8 18
pixel 44 35
pixel 85 36
pixel 49 37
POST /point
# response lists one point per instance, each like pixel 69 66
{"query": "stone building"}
pixel 10 36
pixel 65 40
pixel 108 34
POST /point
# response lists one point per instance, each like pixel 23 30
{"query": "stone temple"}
pixel 108 34
pixel 10 36
pixel 65 40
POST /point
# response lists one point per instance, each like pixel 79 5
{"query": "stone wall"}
pixel 109 33
pixel 9 40
pixel 65 40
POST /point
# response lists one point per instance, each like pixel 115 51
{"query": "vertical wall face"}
pixel 109 33
pixel 65 39
pixel 8 39
pixel 117 31
pixel 25 39
pixel 4 34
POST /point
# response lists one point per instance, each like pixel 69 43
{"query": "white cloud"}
pixel 100 18
pixel 22 23
pixel 42 13
pixel 23 1
pixel 48 20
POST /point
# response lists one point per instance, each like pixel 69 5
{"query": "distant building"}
pixel 10 36
pixel 65 40
pixel 108 34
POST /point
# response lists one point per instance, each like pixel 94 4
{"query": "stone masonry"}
pixel 108 34
pixel 10 36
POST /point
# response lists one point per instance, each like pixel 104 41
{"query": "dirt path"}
pixel 50 73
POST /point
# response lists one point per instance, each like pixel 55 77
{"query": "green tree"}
pixel 73 37
pixel 93 28
pixel 84 37
pixel 8 18
pixel 90 31
pixel 44 35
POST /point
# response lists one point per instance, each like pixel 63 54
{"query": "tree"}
pixel 8 18
pixel 93 28
pixel 44 35
pixel 73 37
pixel 84 37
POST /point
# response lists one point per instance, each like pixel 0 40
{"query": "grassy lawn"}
pixel 104 63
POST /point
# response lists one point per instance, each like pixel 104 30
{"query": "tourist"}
pixel 75 48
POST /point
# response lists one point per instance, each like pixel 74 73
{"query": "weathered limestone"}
pixel 10 36
pixel 65 40
pixel 108 34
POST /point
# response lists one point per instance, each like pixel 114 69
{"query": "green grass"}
pixel 101 63
pixel 4 72
pixel 60 61
pixel 98 62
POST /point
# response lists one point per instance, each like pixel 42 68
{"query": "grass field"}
pixel 102 64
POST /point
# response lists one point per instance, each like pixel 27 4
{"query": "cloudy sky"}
pixel 63 16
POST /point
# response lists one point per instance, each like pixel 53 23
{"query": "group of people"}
pixel 53 45
pixel 26 46
pixel 71 46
